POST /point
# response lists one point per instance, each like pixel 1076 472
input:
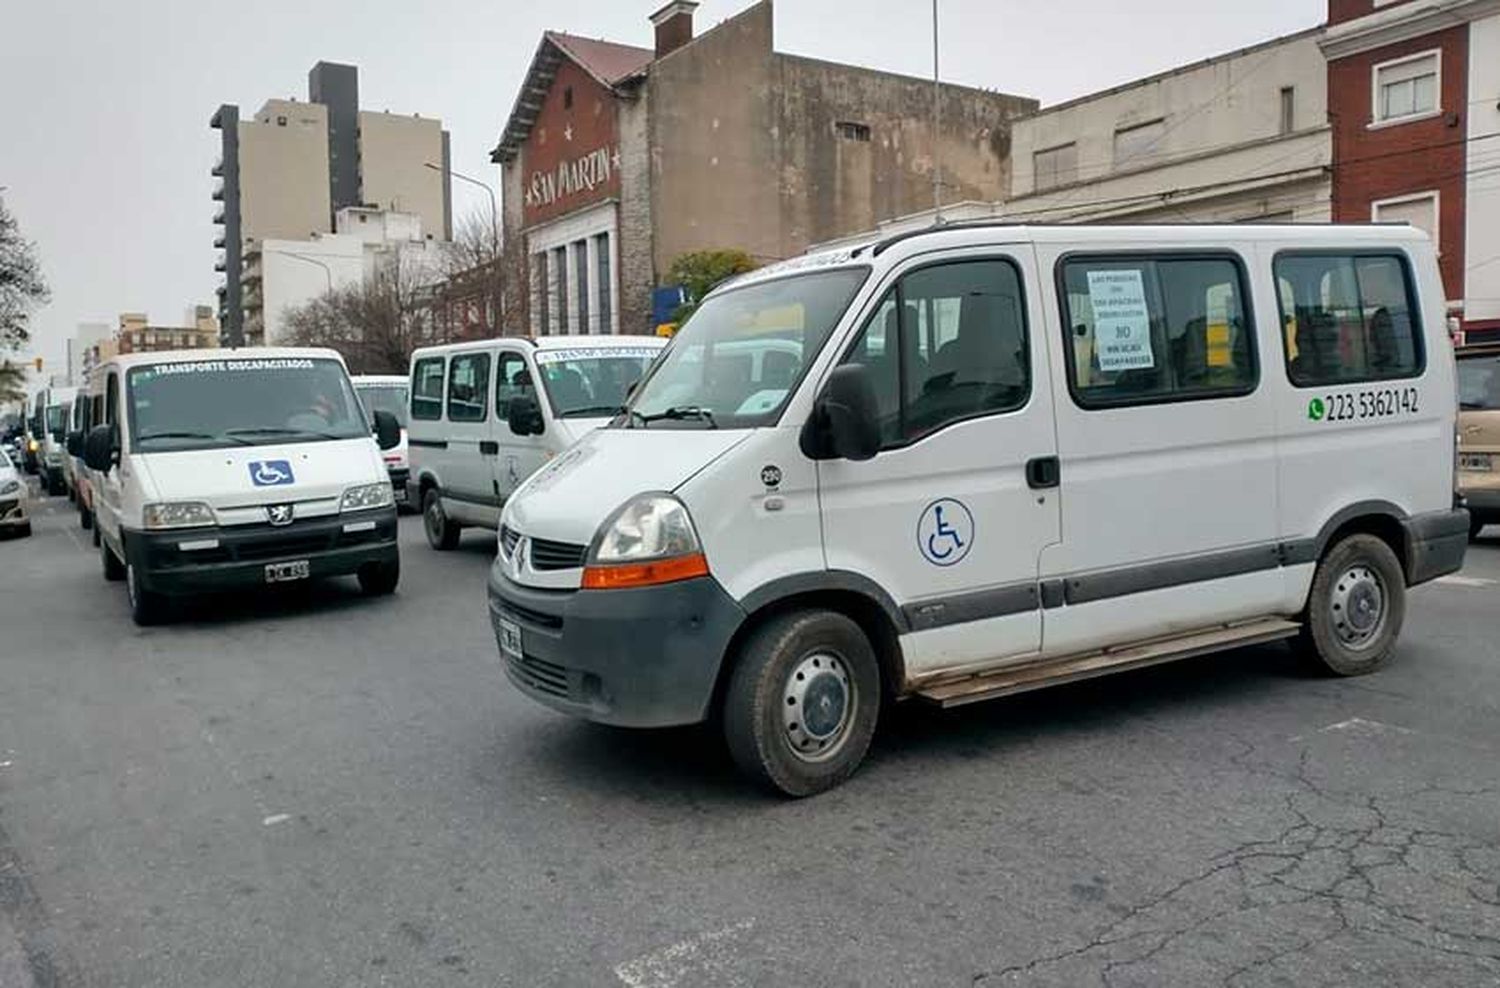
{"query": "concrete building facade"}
pixel 617 159
pixel 1415 106
pixel 137 334
pixel 284 174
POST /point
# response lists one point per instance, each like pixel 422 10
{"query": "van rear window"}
pixel 1347 318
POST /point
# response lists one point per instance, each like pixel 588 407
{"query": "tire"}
pixel 146 606
pixel 95 524
pixel 1356 577
pixel 803 656
pixel 25 529
pixel 442 532
pixel 85 517
pixel 114 570
pixel 379 579
pixel 1476 525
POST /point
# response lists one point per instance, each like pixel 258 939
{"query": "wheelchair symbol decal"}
pixel 270 473
pixel 945 533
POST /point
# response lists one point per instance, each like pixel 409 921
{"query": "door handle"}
pixel 1043 472
pixel 488 447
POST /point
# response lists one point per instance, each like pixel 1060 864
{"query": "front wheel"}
pixel 114 570
pixel 379 579
pixel 85 516
pixel 442 532
pixel 803 701
pixel 146 606
pixel 1355 608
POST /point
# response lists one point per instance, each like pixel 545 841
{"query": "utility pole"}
pixel 937 118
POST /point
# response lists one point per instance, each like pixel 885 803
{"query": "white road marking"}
pixel 1360 722
pixel 1474 582
pixel 276 818
pixel 684 964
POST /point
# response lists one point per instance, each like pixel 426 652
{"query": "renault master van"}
pixel 1003 458
pixel 237 470
pixel 485 414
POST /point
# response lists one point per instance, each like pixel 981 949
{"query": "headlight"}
pixel 10 487
pixel 178 514
pixel 368 496
pixel 650 539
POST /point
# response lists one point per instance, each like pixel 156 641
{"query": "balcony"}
pixel 219 218
pixel 218 193
pixel 219 242
pixel 217 171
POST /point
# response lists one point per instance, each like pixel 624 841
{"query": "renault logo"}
pixel 279 514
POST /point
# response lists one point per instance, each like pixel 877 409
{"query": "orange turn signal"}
pixel 657 571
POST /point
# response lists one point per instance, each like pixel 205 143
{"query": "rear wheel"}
pixel 114 570
pixel 1355 608
pixel 146 606
pixel 379 579
pixel 803 701
pixel 442 532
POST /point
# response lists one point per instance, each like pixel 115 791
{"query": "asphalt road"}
pixel 324 790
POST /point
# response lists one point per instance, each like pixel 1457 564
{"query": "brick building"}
pixel 617 159
pixel 1414 103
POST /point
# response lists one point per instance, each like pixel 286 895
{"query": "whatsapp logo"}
pixel 1315 410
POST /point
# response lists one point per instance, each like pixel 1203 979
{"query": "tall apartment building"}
pixel 286 173
pixel 138 335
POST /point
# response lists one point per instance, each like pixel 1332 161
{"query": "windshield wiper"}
pixel 592 410
pixel 271 430
pixel 148 436
pixel 680 412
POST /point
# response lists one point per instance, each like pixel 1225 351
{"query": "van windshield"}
pixel 739 357
pixel 581 382
pixel 216 403
pixel 56 416
pixel 1479 383
pixel 383 398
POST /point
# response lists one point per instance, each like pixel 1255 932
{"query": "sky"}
pixel 105 147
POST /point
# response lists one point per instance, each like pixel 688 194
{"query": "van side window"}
pixel 1145 330
pixel 1347 318
pixel 468 387
pixel 427 389
pixel 511 380
pixel 946 344
pixel 111 398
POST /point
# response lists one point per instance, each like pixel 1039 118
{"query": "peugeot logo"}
pixel 279 514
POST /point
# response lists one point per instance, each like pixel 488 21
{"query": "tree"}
pixel 474 277
pixel 12 382
pixel 377 323
pixel 699 271
pixel 22 288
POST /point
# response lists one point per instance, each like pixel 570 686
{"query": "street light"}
pixel 327 271
pixel 494 205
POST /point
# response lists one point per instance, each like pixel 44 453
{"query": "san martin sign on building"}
pixel 572 176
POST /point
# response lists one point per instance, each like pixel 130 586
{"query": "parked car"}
pixel 15 514
pixel 1479 433
pixel 388 393
pixel 237 470
pixel 485 414
pixel 1008 457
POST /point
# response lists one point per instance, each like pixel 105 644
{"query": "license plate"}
pixel 510 640
pixel 1475 462
pixel 400 494
pixel 286 572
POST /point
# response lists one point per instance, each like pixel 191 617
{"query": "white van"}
pixel 388 393
pixel 478 426
pixel 1006 458
pixel 232 469
pixel 57 408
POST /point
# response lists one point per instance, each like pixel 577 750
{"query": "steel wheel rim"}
pixel 818 704
pixel 434 516
pixel 1357 608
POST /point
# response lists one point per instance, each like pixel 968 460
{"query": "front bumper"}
pixel 647 657
pixel 1483 502
pixel 1435 544
pixel 240 553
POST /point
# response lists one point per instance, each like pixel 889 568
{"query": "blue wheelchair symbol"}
pixel 945 533
pixel 271 473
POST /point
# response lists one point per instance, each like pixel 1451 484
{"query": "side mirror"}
pixel 387 430
pixel 75 443
pixel 525 416
pixel 845 420
pixel 100 448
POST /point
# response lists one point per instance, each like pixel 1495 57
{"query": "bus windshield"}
pixel 216 403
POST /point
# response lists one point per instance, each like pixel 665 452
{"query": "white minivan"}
pixel 486 413
pixel 1006 457
pixel 237 469
pixel 388 393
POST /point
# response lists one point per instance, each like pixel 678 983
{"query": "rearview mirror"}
pixel 75 442
pixel 845 420
pixel 387 430
pixel 525 416
pixel 100 448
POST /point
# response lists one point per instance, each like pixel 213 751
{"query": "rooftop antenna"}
pixel 937 177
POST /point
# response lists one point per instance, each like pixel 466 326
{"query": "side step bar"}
pixel 1071 668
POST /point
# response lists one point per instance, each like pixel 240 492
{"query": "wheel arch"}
pixel 1382 519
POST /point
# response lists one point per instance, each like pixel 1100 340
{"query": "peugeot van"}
pixel 1479 433
pixel 388 393
pixel 1004 458
pixel 236 470
pixel 485 414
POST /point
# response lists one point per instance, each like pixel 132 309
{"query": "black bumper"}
pixel 243 551
pixel 1483 504
pixel 648 657
pixel 400 478
pixel 1435 544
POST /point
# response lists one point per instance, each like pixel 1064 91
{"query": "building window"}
pixel 1347 318
pixel 1138 143
pixel 1420 211
pixel 851 131
pixel 581 265
pixel 567 97
pixel 606 284
pixel 1407 88
pixel 1056 166
pixel 281 121
pixel 1288 109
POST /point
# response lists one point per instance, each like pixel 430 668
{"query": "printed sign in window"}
pixel 1122 323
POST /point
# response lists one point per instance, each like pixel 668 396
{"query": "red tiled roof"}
pixel 606 61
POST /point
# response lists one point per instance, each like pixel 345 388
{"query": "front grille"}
pixel 545 677
pixel 289 545
pixel 528 616
pixel 508 538
pixel 549 555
